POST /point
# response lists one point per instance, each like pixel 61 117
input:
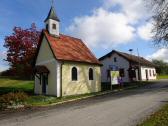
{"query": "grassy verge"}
pixel 49 100
pixel 160 118
pixel 8 86
pixel 162 77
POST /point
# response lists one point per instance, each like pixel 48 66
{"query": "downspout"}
pixel 34 83
pixel 140 73
pixel 139 65
pixel 129 71
pixel 61 79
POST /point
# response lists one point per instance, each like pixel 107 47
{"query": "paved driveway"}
pixel 125 108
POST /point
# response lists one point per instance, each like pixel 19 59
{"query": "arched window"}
pixel 74 74
pixel 90 74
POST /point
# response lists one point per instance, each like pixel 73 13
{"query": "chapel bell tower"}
pixel 52 22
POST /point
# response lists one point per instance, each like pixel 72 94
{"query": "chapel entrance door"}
pixel 44 83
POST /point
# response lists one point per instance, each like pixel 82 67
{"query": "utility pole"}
pixel 130 69
pixel 139 65
pixel 130 50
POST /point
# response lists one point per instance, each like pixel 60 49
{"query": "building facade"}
pixel 64 65
pixel 130 67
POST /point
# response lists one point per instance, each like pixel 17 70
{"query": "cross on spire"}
pixel 52 13
pixel 52 3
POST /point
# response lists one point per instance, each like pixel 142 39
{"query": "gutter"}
pixel 61 79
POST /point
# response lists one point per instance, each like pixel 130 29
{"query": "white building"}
pixel 131 67
pixel 64 65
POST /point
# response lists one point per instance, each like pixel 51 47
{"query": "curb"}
pixel 85 97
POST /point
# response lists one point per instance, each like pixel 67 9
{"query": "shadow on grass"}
pixel 16 78
pixel 107 86
pixel 164 101
pixel 5 90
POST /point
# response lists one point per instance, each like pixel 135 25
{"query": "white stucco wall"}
pixel 46 58
pixel 150 77
pixel 121 63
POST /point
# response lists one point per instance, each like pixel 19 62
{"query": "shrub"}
pixel 12 99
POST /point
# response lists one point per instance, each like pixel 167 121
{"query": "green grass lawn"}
pixel 10 85
pixel 162 77
pixel 160 118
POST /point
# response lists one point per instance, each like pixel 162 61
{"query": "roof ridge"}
pixel 128 56
pixel 70 36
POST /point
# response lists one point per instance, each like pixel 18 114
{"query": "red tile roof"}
pixel 67 48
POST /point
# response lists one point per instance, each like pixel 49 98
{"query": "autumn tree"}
pixel 21 48
pixel 161 66
pixel 160 18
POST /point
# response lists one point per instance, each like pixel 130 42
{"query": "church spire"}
pixel 52 15
pixel 52 22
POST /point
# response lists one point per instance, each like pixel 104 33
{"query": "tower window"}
pixel 74 74
pixel 54 26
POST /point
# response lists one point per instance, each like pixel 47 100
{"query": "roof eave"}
pixel 85 62
pixel 52 19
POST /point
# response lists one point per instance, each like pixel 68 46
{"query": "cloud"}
pixel 102 28
pixel 133 9
pixel 3 64
pixel 110 25
pixel 161 54
pixel 145 31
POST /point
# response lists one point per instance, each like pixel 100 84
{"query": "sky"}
pixel 103 25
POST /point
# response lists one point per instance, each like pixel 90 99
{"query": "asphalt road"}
pixel 125 108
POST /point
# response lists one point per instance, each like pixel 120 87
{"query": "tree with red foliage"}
pixel 21 48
